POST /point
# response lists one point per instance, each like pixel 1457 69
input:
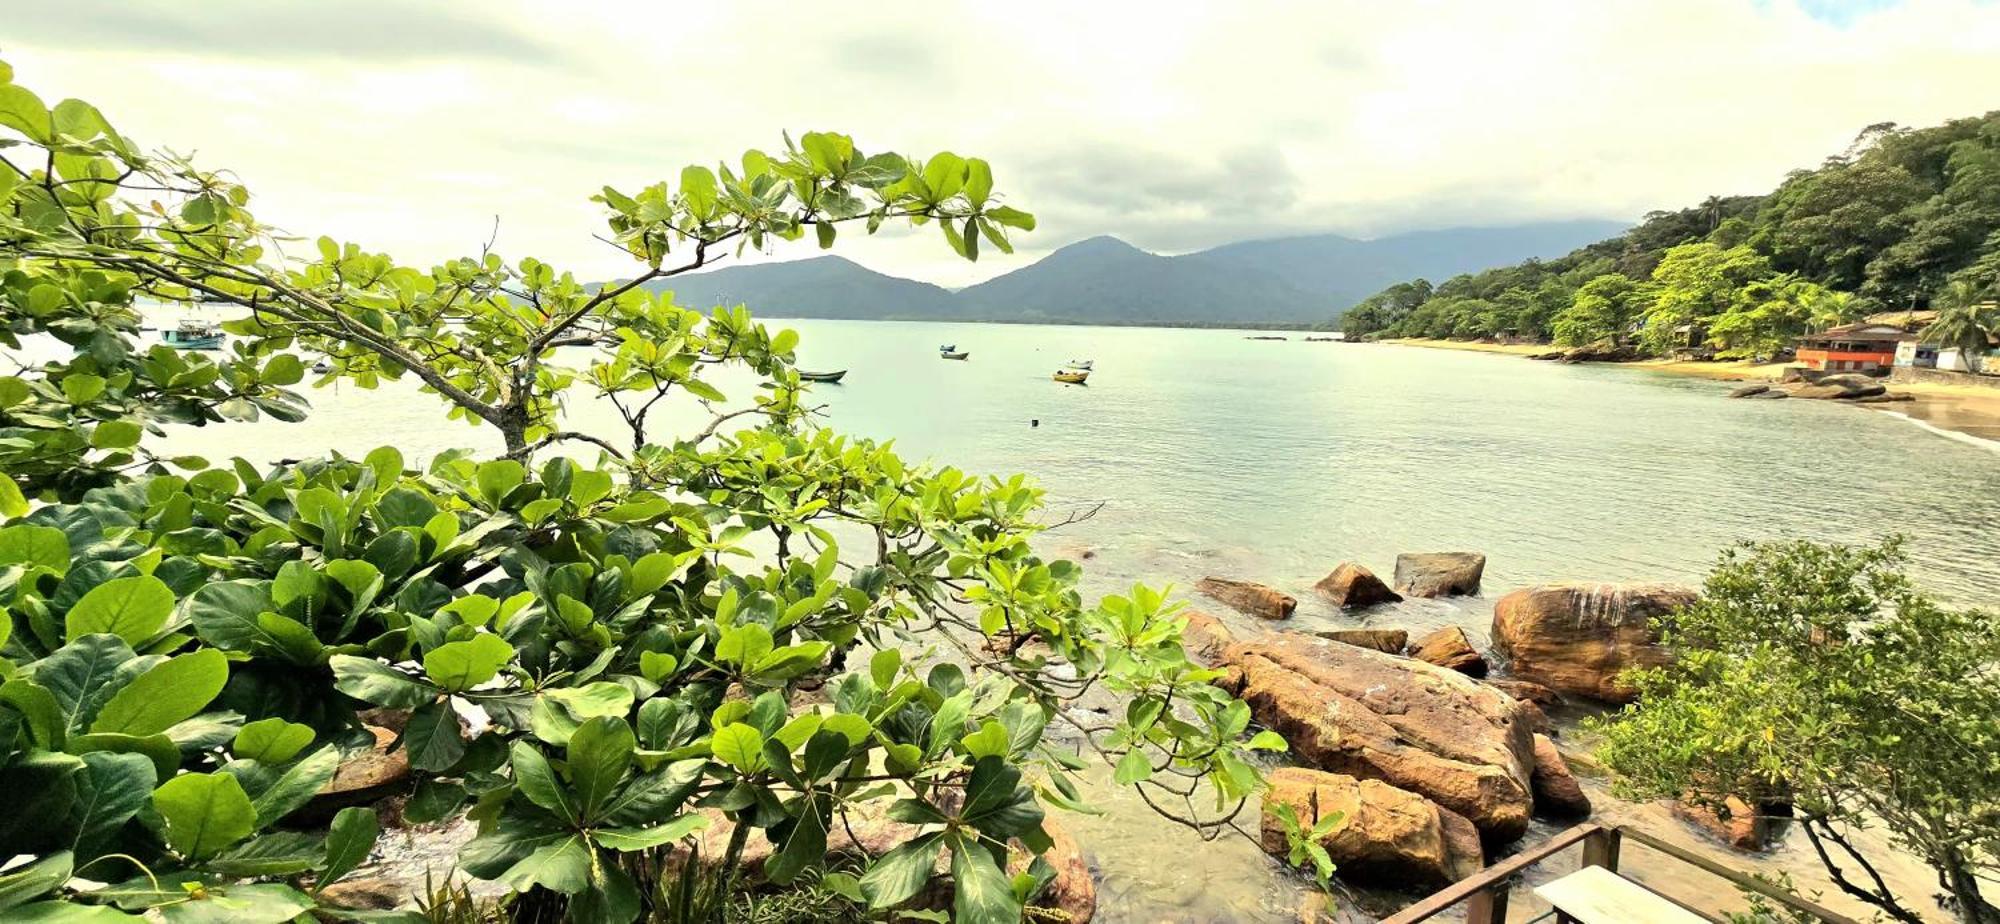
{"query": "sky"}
pixel 410 127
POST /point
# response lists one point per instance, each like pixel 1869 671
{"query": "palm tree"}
pixel 1966 321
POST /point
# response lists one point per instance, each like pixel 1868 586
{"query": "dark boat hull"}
pixel 955 355
pixel 829 377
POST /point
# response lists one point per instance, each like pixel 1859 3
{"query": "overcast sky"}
pixel 408 126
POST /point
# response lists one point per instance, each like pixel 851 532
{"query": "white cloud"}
pixel 1173 126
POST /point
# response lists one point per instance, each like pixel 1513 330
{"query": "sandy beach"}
pixel 1967 410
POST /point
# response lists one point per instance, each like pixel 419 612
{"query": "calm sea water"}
pixel 1210 453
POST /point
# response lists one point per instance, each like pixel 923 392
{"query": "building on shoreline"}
pixel 1860 347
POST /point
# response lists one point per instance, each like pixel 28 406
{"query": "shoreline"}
pixel 1958 411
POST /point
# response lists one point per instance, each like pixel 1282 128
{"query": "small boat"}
pixel 1083 364
pixel 322 367
pixel 193 334
pixel 1072 377
pixel 828 377
pixel 946 348
pixel 950 355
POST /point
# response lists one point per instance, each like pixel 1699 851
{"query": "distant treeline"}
pixel 1902 219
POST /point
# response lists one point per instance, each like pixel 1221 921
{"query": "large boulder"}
pixel 1734 822
pixel 1351 585
pixel 1557 792
pixel 1204 636
pixel 1386 835
pixel 1250 597
pixel 1439 574
pixel 1577 638
pixel 1391 641
pixel 1416 726
pixel 1448 647
pixel 1848 385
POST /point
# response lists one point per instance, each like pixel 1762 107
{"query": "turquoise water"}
pixel 1203 452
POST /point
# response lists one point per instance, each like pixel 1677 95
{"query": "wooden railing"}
pixel 1485 894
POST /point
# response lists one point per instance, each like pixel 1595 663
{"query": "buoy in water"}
pixel 1034 421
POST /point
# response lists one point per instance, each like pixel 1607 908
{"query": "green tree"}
pixel 1693 284
pixel 1603 310
pixel 185 646
pixel 1769 314
pixel 1967 321
pixel 1820 674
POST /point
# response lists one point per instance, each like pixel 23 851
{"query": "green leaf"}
pixel 883 666
pixel 12 502
pixel 132 608
pixel 563 866
pixel 271 741
pixel 35 879
pixel 173 690
pixel 537 780
pixel 1268 740
pixel 297 785
pixel 460 666
pixel 739 746
pixel 22 111
pixel 111 789
pixel 806 844
pixel 744 645
pixel 57 911
pixel 897 875
pixel 283 369
pixel 225 613
pixel 989 741
pixel 281 853
pixel 371 681
pixel 981 891
pixel 599 754
pixel 1133 767
pixel 498 478
pixel 432 738
pixel 116 434
pixel 204 813
pixel 261 903
pixel 628 839
pixel 33 545
pixel 349 841
pixel 82 389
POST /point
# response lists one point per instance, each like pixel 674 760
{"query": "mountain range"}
pixel 1307 279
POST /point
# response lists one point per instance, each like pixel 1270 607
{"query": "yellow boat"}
pixel 1071 377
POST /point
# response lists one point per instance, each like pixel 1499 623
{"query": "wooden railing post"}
pixel 1488 906
pixel 1601 848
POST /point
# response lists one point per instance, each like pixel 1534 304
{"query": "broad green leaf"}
pixel 599 754
pixel 34 545
pixel 627 839
pixel 1133 767
pixel 170 692
pixel 371 681
pixel 460 666
pixel 35 880
pixel 432 737
pixel 349 841
pixel 132 608
pixel 12 502
pixel 271 741
pixel 225 613
pixel 563 866
pixel 897 875
pixel 981 890
pixel 739 746
pixel 538 781
pixel 111 789
pixel 498 478
pixel 116 434
pixel 259 903
pixel 204 813
pixel 297 785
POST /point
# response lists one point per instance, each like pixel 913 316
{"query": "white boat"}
pixel 1083 364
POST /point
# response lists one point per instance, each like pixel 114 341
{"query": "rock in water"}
pixel 1386 835
pixel 1390 641
pixel 1577 638
pixel 1525 690
pixel 1745 391
pixel 1205 637
pixel 1416 726
pixel 1439 574
pixel 1250 597
pixel 1351 585
pixel 1557 792
pixel 1736 824
pixel 1448 647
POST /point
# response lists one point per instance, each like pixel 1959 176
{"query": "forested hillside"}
pixel 1903 218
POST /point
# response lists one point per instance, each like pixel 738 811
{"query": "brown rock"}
pixel 1074 890
pixel 1389 641
pixel 370 774
pixel 1250 597
pixel 1414 725
pixel 1526 690
pixel 1386 835
pixel 1205 637
pixel 366 895
pixel 1439 574
pixel 1745 391
pixel 1448 647
pixel 1351 585
pixel 1556 789
pixel 1231 680
pixel 1577 638
pixel 1736 824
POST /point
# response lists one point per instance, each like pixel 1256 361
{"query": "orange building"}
pixel 1862 347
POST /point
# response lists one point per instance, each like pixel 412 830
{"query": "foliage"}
pixel 1819 674
pixel 1891 222
pixel 185 647
pixel 1968 321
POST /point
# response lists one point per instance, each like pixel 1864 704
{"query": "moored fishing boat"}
pixel 193 334
pixel 1072 376
pixel 947 347
pixel 1083 364
pixel 950 355
pixel 828 377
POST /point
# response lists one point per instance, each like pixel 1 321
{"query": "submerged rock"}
pixel 1577 638
pixel 1846 385
pixel 1351 585
pixel 1557 792
pixel 1439 574
pixel 1414 725
pixel 1386 835
pixel 1388 641
pixel 1745 391
pixel 1448 647
pixel 1250 597
pixel 1735 822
